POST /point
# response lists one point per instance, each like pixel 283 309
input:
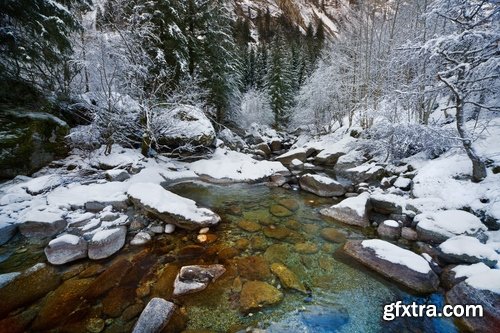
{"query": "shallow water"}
pixel 345 297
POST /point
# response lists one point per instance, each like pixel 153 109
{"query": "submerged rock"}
pixel 107 242
pixel 249 226
pixel 155 316
pixel 287 278
pixel 196 278
pixel 321 186
pixel 257 294
pixel 333 235
pixel 280 211
pixel 66 248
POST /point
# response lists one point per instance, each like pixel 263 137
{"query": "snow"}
pixel 486 281
pixel 103 235
pixel 450 223
pixel 369 168
pixel 357 204
pixel 397 255
pixel 296 163
pixel 41 216
pixel 183 122
pixel 78 195
pixel 323 179
pixel 67 239
pixel 42 184
pixel 402 182
pixel 163 201
pixel 470 246
pixel 329 147
pixel 234 166
pixel 470 270
pixel 293 152
pixel 391 223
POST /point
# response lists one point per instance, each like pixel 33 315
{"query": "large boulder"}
pixel 257 294
pixel 105 243
pixel 439 226
pixel 365 173
pixel 41 223
pixel 155 316
pixel 467 250
pixel 170 207
pixel 395 263
pixel 287 158
pixel 66 248
pixel 387 203
pixel 7 231
pixel 353 211
pixel 321 186
pixel 196 278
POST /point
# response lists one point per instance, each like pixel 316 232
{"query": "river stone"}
pixel 353 211
pixel 463 294
pixel 321 186
pixel 276 232
pixel 287 158
pixel 275 145
pixel 332 235
pixel 290 204
pixel 105 243
pixel 191 279
pixel 7 231
pixel 280 211
pixel 117 300
pixel 249 226
pixel 415 280
pixel 306 248
pixel 108 279
pixel 257 294
pixel 467 250
pixel 155 316
pixel 141 238
pixel 28 287
pixel 287 278
pixel 409 234
pixel 66 248
pixel 389 229
pixel 252 268
pixel 386 203
pixel 41 224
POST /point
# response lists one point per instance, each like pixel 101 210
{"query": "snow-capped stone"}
pixel 231 140
pixel 453 275
pixel 298 153
pixel 196 278
pixel 155 316
pixel 395 263
pixel 389 229
pixel 365 173
pixel 438 226
pixel 387 203
pixel 117 175
pixel 42 184
pixel 204 230
pixel 105 243
pixel 331 154
pixel 65 248
pixel 350 160
pixel 76 195
pixel 297 164
pixel 170 207
pixel 353 211
pixel 7 231
pixel 403 183
pixel 468 250
pixel 141 238
pixel 321 185
pixel 41 223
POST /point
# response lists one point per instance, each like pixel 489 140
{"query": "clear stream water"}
pixel 345 297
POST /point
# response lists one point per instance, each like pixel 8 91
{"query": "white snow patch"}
pixel 450 223
pixel 470 270
pixel 486 281
pixel 67 239
pixel 470 246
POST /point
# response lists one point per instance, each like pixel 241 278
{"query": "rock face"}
pixel 40 224
pixel 395 263
pixel 439 226
pixel 389 229
pixel 170 207
pixel 155 316
pixel 353 211
pixel 469 250
pixel 386 204
pixel 299 154
pixel 321 186
pixel 464 294
pixel 107 242
pixel 66 248
pixel 287 278
pixel 196 278
pixel 7 231
pixel 257 294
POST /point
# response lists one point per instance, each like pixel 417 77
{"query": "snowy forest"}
pixel 249 165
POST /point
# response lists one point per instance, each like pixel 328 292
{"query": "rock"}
pixel 297 164
pixel 287 278
pixel 350 160
pixel 169 228
pixel 117 300
pixel 256 295
pixel 95 325
pixel 403 183
pixel 141 238
pixel 171 208
pixel 329 157
pixel 438 226
pixel 463 294
pixel 395 263
pixel 107 242
pixel 467 250
pixel 155 316
pixel 206 238
pixel 306 248
pixel 275 145
pixel 249 226
pixel 277 180
pixel 365 173
pixel 252 268
pixel 231 140
pixel 41 224
pixel 7 231
pixel 196 278
pixel 353 211
pixel 66 248
pixel 264 148
pixel 108 279
pixel 290 204
pixel 204 230
pixel 321 186
pixel 6 278
pixel 276 232
pixel 389 229
pixel 387 203
pixel 453 275
pixel 287 158
pixel 332 235
pixel 280 211
pixel 409 234
pixel 387 182
pixel 117 175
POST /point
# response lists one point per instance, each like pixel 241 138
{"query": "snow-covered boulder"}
pixel 170 207
pixel 389 229
pixel 155 316
pixel 141 238
pixel 387 203
pixel 467 250
pixel 42 184
pixel 395 263
pixel 65 248
pixel 321 185
pixel 7 231
pixel 332 152
pixel 365 173
pixel 298 153
pixel 353 211
pixel 196 278
pixel 231 140
pixel 183 125
pixel 350 160
pixel 105 243
pixel 41 223
pixel 117 175
pixel 439 226
pixel 403 183
pixel 454 274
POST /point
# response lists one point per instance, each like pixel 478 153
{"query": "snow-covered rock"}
pixel 403 183
pixel 105 243
pixel 365 173
pixel 196 278
pixel 298 153
pixel 170 207
pixel 387 203
pixel 155 316
pixel 42 184
pixel 117 175
pixel 351 159
pixel 141 238
pixel 395 263
pixel 41 223
pixel 331 152
pixel 389 229
pixel 353 211
pixel 231 140
pixel 76 195
pixel 321 185
pixel 438 226
pixel 65 248
pixel 467 250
